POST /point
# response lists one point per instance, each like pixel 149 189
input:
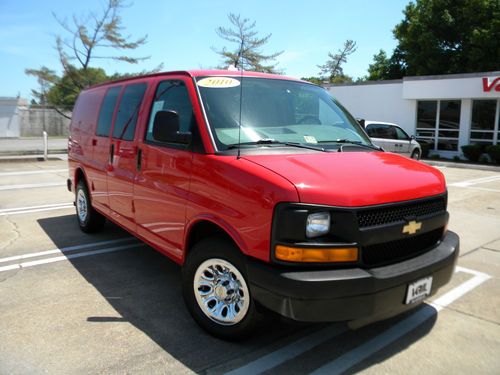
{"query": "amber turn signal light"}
pixel 325 255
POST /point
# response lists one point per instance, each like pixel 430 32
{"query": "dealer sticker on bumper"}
pixel 418 290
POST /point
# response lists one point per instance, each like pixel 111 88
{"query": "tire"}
pixel 415 154
pixel 89 219
pixel 212 272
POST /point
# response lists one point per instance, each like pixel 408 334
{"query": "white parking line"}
pixel 288 352
pixel 67 257
pixel 355 356
pixel 476 181
pixel 362 352
pixel 40 171
pixel 31 186
pixel 64 249
pixel 482 189
pixel 29 209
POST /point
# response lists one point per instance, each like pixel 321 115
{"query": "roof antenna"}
pixel 240 66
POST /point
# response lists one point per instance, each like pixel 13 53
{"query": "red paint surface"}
pixel 355 178
pixel 177 189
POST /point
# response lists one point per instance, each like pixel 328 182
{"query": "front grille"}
pixel 394 213
pixel 395 251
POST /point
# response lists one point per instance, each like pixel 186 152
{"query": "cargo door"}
pixel 123 155
pixel 163 181
pixel 98 165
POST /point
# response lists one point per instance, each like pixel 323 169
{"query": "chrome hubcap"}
pixel 81 206
pixel 221 291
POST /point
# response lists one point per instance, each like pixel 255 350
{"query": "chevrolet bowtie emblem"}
pixel 412 227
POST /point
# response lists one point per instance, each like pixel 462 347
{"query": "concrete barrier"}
pixel 35 120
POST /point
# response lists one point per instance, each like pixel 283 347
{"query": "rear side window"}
pixel 128 111
pixel 172 96
pixel 107 110
pixel 381 131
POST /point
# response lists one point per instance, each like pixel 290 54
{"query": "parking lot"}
pixel 105 303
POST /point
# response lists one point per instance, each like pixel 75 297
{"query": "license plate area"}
pixel 418 290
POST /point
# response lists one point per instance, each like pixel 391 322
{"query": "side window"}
pixel 402 136
pixel 371 130
pixel 377 131
pixel 128 110
pixel 172 96
pixel 106 112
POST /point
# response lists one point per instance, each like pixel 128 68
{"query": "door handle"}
pixel 111 153
pixel 139 159
pixel 94 142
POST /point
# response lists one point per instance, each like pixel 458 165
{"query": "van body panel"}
pixel 121 172
pixel 355 178
pixel 161 191
pixel 240 196
pixel 97 165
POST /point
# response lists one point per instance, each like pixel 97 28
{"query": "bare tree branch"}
pixel 247 54
pixel 333 67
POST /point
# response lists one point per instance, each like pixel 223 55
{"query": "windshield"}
pixel 275 111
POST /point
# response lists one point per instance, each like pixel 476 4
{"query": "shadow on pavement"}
pixel 144 287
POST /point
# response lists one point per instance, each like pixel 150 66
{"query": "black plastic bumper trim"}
pixel 347 294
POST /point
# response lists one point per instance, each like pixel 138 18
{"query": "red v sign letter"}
pixel 487 87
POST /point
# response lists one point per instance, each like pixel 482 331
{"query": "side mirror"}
pixel 166 128
pixel 412 138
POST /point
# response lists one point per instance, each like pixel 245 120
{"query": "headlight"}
pixel 317 224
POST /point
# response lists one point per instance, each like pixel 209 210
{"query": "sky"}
pixel 181 34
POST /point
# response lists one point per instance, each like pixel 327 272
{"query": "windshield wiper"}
pixel 351 142
pixel 270 141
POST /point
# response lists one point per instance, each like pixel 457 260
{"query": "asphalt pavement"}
pixel 76 303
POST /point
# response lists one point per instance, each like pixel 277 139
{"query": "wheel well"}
pixel 205 229
pixel 79 176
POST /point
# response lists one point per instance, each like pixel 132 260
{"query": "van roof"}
pixel 201 73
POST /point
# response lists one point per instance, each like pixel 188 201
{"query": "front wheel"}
pixel 415 154
pixel 216 291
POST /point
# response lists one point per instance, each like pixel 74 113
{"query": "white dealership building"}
pixel 447 111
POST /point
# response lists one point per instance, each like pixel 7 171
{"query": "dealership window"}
pixel 438 123
pixel 485 122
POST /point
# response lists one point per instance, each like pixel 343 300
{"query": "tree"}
pixel 247 53
pixel 449 36
pixel 93 33
pixel 384 67
pixel 333 67
pixel 94 37
pixel 46 78
pixel 64 93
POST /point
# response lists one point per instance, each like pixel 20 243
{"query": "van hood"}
pixel 354 178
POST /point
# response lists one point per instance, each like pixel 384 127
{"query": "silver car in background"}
pixel 392 138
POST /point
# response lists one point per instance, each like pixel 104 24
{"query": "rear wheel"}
pixel 415 154
pixel 89 219
pixel 216 291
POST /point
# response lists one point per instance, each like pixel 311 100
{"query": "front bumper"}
pixel 349 294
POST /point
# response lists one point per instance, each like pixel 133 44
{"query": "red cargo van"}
pixel 266 191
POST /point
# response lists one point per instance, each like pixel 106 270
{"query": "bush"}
pixel 472 152
pixel 485 159
pixel 425 149
pixel 494 152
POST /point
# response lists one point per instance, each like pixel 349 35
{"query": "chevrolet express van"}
pixel 267 192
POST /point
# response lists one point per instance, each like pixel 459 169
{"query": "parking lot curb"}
pixel 32 157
